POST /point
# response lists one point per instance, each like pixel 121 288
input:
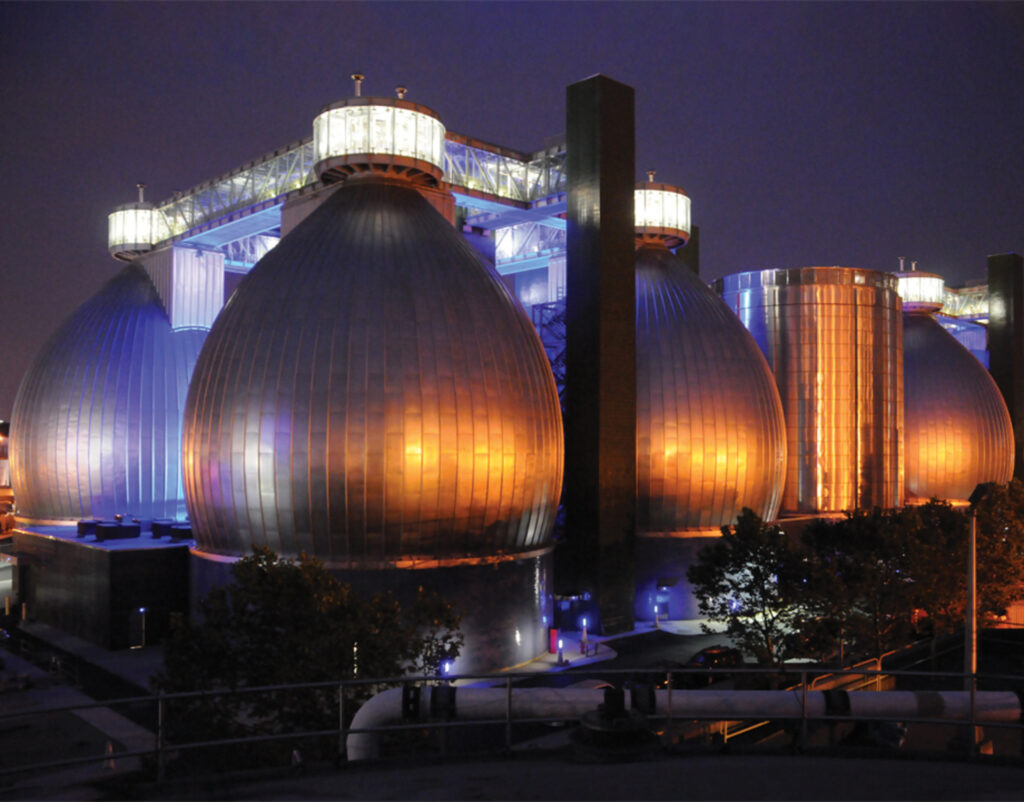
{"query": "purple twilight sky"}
pixel 805 133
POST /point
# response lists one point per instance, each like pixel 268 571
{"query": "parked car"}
pixel 715 661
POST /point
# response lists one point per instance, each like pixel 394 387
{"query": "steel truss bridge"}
pixel 239 213
pixel 522 194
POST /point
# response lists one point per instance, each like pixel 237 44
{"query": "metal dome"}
pixel 957 428
pixel 96 428
pixel 373 395
pixel 710 433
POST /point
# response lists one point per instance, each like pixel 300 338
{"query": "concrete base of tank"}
pixel 661 564
pixel 505 604
pixel 115 593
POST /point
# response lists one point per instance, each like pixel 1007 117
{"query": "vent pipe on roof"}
pixel 142 192
pixel 400 92
pixel 358 77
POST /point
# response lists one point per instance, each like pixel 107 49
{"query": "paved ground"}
pixel 554 777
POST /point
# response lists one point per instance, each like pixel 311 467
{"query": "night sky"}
pixel 805 134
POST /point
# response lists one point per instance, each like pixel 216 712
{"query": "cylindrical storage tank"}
pixel 96 429
pixel 833 338
pixel 374 396
pixel 958 430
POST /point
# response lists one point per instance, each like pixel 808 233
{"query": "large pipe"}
pixel 399 705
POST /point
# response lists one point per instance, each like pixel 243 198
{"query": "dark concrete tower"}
pixel 600 459
pixel 1006 341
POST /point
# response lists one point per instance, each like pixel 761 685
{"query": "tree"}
pixel 1000 547
pixel 746 581
pixel 856 586
pixel 936 543
pixel 284 622
pixel 870 574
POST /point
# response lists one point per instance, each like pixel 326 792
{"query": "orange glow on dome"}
pixel 376 396
pixel 710 435
pixel 958 430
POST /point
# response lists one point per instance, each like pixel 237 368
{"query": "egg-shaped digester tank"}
pixel 372 395
pixel 957 427
pixel 96 427
pixel 833 338
pixel 710 432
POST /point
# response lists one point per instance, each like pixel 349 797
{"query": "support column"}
pixel 690 252
pixel 600 454
pixel 1006 341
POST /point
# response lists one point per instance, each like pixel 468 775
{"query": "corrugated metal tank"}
pixel 958 429
pixel 710 432
pixel 96 428
pixel 373 395
pixel 833 338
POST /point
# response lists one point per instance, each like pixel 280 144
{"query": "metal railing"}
pixel 858 678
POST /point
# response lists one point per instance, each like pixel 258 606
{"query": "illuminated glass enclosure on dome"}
pixel 661 211
pixel 96 428
pixel 957 428
pixel 134 228
pixel 400 134
pixel 921 291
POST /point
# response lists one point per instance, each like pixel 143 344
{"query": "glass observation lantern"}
pixel 380 134
pixel 661 213
pixel 921 292
pixel 134 228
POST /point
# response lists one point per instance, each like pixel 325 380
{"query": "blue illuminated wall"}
pixel 972 336
pixel 96 428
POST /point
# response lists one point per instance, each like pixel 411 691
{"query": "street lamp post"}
pixel 974 734
pixel 971 608
pixel 971 611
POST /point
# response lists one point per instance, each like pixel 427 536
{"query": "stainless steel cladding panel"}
pixel 958 429
pixel 710 433
pixel 96 428
pixel 833 337
pixel 373 394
